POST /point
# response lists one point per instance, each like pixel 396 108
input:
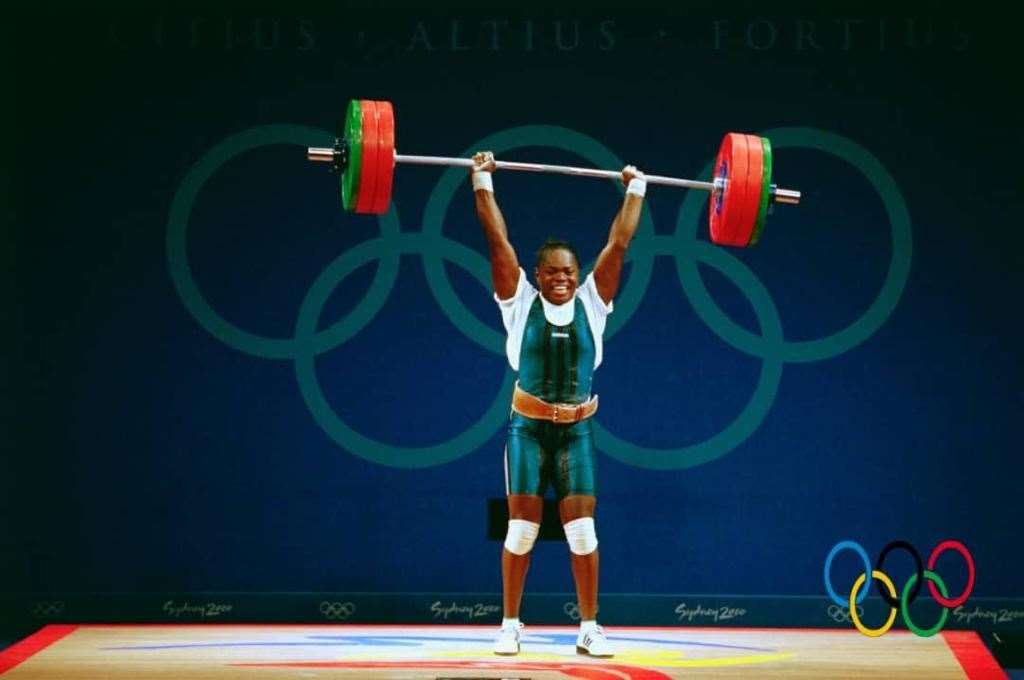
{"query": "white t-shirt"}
pixel 516 310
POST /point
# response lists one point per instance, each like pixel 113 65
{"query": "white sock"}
pixel 510 623
pixel 586 626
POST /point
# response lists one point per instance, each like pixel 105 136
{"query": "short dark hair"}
pixel 556 244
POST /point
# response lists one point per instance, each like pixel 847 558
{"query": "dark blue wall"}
pixel 185 406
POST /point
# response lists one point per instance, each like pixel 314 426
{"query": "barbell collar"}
pixel 336 156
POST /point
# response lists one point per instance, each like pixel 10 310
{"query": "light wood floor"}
pixel 273 652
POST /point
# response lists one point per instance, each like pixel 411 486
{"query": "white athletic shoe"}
pixel 594 643
pixel 507 643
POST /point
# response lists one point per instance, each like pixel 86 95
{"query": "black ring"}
pixel 889 600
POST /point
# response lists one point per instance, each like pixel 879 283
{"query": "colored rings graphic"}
pixel 312 338
pixel 846 545
pixel 901 602
pixel 871 632
pixel 891 599
pixel 965 553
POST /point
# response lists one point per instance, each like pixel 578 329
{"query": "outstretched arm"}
pixel 608 269
pixel 504 265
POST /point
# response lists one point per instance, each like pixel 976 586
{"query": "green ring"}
pixel 354 135
pixel 641 254
pixel 188 290
pixel 905 610
pixel 305 359
pixel 762 397
pixel 766 187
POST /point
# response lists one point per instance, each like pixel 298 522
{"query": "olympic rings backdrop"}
pixel 223 384
pixel 434 248
pixel 910 590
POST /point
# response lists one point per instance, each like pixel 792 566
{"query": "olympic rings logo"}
pixel 842 614
pixel 911 589
pixel 337 611
pixel 46 609
pixel 683 245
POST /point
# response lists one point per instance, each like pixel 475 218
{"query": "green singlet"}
pixel 556 364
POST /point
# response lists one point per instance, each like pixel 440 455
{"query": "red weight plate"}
pixel 726 202
pixel 744 228
pixel 385 157
pixel 738 196
pixel 368 176
pixel 717 203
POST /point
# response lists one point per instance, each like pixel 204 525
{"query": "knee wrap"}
pixel 521 535
pixel 580 535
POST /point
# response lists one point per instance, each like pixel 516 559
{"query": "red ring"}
pixel 962 549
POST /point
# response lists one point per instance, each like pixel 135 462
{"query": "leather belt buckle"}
pixel 566 414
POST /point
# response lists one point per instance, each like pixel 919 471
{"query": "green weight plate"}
pixel 766 183
pixel 353 132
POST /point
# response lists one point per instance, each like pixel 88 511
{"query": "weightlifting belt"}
pixel 530 406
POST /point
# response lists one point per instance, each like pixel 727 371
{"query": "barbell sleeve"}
pixel 321 154
pixel 788 196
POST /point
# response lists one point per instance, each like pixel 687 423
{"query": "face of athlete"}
pixel 557 276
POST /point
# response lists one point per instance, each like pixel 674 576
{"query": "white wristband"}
pixel 637 186
pixel 482 180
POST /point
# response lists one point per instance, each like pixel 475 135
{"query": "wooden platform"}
pixel 273 652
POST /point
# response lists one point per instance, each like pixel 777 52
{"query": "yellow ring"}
pixel 877 632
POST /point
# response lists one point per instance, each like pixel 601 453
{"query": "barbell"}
pixel 364 156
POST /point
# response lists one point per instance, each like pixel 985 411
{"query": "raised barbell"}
pixel 741 191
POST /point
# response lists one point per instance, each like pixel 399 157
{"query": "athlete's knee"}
pixel 581 536
pixel 521 536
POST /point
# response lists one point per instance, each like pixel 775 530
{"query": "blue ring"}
pixel 856 547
